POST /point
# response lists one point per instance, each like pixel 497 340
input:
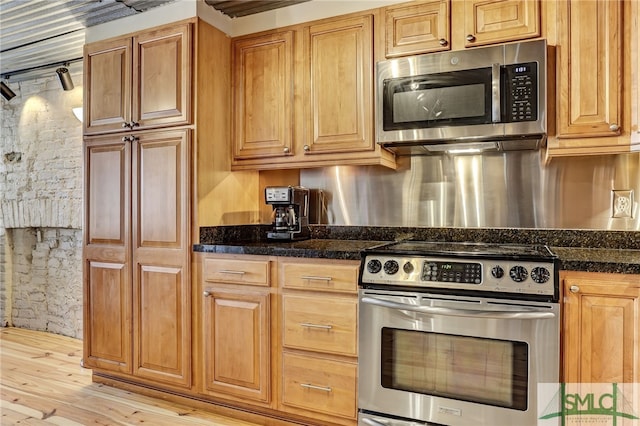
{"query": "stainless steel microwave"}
pixel 484 98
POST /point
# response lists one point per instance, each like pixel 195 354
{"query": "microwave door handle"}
pixel 495 93
pixel 474 313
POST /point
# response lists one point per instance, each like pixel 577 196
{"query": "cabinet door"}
pixel 488 22
pixel 161 296
pixel 589 68
pixel 107 255
pixel 339 97
pixel 601 328
pixel 263 96
pixel 162 67
pixel 417 28
pixel 107 85
pixel 236 344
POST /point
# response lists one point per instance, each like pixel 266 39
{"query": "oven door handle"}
pixel 452 312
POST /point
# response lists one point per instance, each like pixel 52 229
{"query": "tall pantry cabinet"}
pixel 147 138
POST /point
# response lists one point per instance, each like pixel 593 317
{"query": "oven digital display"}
pixel 454 272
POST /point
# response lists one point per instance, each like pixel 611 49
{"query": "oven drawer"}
pixel 320 276
pixel 234 271
pixel 320 324
pixel 319 385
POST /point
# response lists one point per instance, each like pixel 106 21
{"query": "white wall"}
pixel 41 207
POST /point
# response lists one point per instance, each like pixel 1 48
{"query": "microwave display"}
pixel 460 98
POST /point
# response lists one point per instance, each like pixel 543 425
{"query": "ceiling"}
pixel 37 36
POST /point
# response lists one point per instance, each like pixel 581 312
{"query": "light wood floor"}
pixel 42 383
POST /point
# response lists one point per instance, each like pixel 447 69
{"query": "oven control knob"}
pixel 391 267
pixel 518 273
pixel 408 267
pixel 540 275
pixel 497 271
pixel 374 266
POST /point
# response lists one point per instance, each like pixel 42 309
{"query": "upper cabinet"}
pixel 597 78
pixel 137 82
pixel 339 92
pixel 262 94
pixel 431 26
pixel 303 96
pixel 490 22
pixel 417 27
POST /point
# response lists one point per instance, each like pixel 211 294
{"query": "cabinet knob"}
pixel 614 127
pixel 206 293
pixel 125 139
pixel 306 148
pixel 286 150
pixel 471 37
pixel 443 42
pixel 134 124
pixel 125 125
pixel 574 289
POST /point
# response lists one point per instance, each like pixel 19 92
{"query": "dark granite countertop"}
pixel 599 260
pixel 590 251
pixel 314 248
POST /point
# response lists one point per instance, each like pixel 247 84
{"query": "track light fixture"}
pixel 6 91
pixel 65 78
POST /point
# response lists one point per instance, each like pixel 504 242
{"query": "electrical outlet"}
pixel 622 203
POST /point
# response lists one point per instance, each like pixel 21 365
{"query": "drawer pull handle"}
pixel 310 386
pixel 227 271
pixel 306 324
pixel 310 277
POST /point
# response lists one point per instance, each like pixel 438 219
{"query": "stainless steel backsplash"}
pixel 513 189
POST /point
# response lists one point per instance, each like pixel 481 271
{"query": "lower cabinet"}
pixel 601 341
pixel 236 328
pixel 319 338
pixel 278 336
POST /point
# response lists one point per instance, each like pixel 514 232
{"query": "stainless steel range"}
pixel 456 333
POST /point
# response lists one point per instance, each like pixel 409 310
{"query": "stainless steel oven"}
pixel 456 334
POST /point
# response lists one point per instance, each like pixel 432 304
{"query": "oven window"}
pixel 487 371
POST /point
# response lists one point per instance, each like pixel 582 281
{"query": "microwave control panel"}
pixel 521 92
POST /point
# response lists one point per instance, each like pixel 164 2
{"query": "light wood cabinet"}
pixel 340 85
pixel 141 198
pixel 303 96
pixel 237 343
pixel 137 289
pixel 420 27
pixel 417 28
pixel 138 82
pixel 263 96
pixel 235 340
pixel 107 255
pixel 601 332
pixel 491 22
pixel 596 78
pixel 319 338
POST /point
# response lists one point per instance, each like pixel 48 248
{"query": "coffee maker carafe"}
pixel 290 216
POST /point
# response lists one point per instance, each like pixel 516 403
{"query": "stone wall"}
pixel 41 207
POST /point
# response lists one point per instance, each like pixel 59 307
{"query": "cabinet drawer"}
pixel 251 272
pixel 321 324
pixel 320 276
pixel 320 385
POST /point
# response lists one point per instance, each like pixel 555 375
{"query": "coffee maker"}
pixel 290 216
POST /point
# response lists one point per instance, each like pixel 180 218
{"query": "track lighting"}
pixel 65 78
pixel 6 91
